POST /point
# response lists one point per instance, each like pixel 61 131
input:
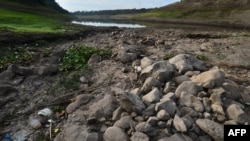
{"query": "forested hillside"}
pixel 34 6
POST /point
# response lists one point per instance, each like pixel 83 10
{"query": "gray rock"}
pixel 168 87
pixel 136 91
pixel 188 111
pixel 168 105
pixel 117 114
pixel 123 122
pixel 76 133
pixel 163 115
pixel 115 134
pixel 191 101
pixel 210 79
pixel 125 56
pixel 185 62
pixel 207 104
pixel 152 97
pixel 180 79
pixel 139 136
pixel 232 90
pixel 162 70
pixel 177 137
pixel 131 103
pixel 95 58
pixel 149 84
pixel 169 95
pixel 188 87
pixel 146 128
pixel 47 70
pixel 204 138
pixel 19 70
pixel 153 121
pixel 149 111
pixel 7 89
pixel 103 108
pixel 7 75
pixel 179 124
pixel 145 61
pixel 80 99
pixel 235 113
pixel 213 129
pixel 77 117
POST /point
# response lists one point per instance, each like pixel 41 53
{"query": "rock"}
pixel 188 111
pixel 144 127
pixel 149 84
pixel 47 70
pixel 7 75
pixel 145 62
pixel 152 97
pixel 80 99
pixel 179 124
pixel 148 41
pixel 136 91
pixel 245 94
pixel 168 105
pixel 131 103
pixel 207 104
pixel 104 107
pixel 235 113
pixel 161 70
pixel 213 129
pixel 169 95
pixel 167 87
pixel 185 62
pixel 177 137
pixel 125 56
pixel 76 133
pixel 95 58
pixel 23 71
pixel 188 87
pixel 117 114
pixel 232 90
pixel 149 111
pixel 204 138
pixel 77 117
pixel 153 121
pixel 189 100
pixel 7 89
pixel 180 79
pixel 123 122
pixel 115 134
pixel 210 79
pixel 163 115
pixel 139 136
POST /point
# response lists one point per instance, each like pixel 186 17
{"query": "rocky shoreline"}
pixel 159 84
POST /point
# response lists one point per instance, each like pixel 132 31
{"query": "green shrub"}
pixel 77 57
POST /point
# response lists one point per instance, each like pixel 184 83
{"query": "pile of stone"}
pixel 179 99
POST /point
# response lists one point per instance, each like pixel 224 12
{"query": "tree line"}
pixel 112 12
